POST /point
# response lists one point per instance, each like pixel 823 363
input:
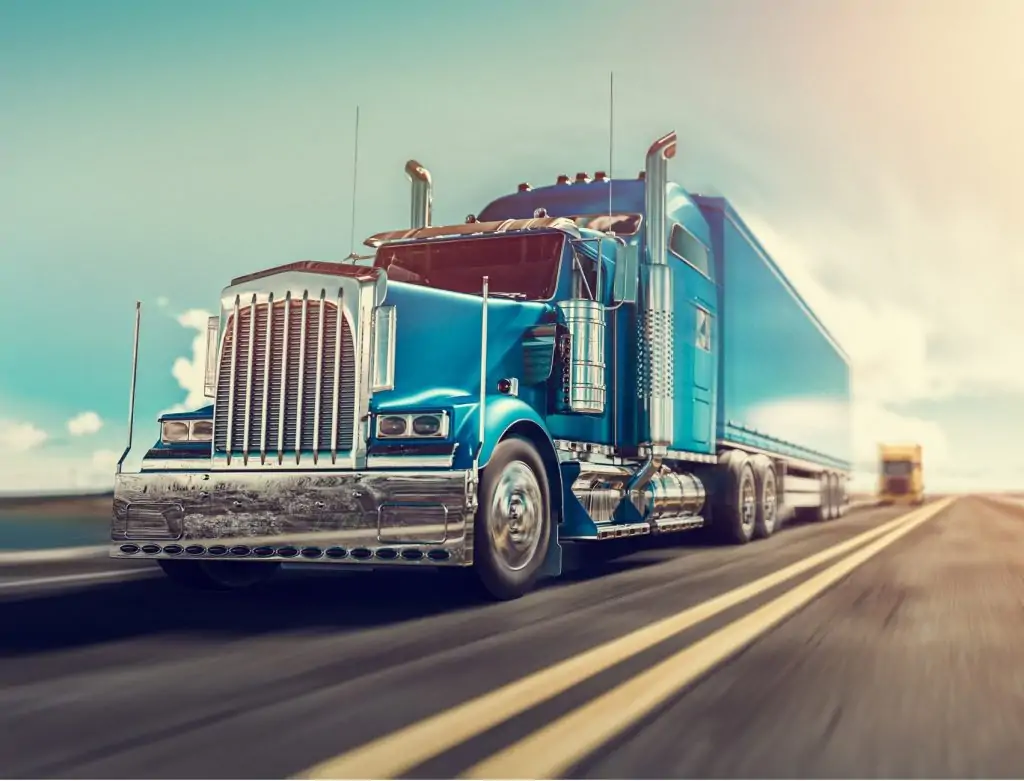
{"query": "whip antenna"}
pixel 611 132
pixel 355 175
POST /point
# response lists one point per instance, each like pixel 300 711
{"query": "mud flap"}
pixel 552 566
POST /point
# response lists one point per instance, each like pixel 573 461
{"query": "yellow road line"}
pixel 554 749
pixel 393 754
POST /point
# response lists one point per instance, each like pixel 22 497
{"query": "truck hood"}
pixel 438 344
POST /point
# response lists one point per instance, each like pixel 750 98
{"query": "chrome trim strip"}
pixel 246 424
pixel 319 376
pixel 284 376
pixel 410 462
pixel 483 372
pixel 231 383
pixel 799 463
pixel 175 464
pixel 686 455
pixel 131 392
pixel 337 378
pixel 266 377
pixel 304 323
pixel 666 525
pixel 611 531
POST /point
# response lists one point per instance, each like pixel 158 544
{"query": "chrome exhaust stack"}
pixel 422 194
pixel 655 321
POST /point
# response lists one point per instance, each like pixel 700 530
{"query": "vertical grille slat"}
pixel 247 417
pixel 335 379
pixel 286 380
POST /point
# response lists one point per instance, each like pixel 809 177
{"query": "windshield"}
pixel 525 265
pixel 620 224
pixel 896 468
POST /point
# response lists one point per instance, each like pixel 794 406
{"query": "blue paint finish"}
pixel 785 382
pixel 575 520
pixel 753 364
pixel 695 303
pixel 203 413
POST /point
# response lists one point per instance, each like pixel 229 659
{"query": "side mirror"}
pixel 627 274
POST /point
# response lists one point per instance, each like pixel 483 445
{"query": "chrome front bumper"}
pixel 411 518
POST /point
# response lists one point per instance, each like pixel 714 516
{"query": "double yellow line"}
pixel 555 748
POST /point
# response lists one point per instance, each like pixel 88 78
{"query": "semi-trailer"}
pixel 901 476
pixel 591 360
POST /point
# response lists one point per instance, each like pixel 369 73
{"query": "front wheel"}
pixel 513 520
pixel 219 575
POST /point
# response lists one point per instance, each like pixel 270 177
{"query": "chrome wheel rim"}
pixel 748 504
pixel 769 502
pixel 516 516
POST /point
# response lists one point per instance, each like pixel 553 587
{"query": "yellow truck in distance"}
pixel 901 480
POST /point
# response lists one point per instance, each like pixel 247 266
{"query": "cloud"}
pixel 46 473
pixel 163 302
pixel 19 437
pixel 84 423
pixel 890 341
pixel 190 372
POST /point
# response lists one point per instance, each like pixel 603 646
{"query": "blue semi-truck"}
pixel 588 361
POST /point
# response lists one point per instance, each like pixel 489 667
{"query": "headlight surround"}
pixel 415 425
pixel 173 432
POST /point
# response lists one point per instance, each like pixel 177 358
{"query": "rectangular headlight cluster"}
pixel 175 431
pixel 420 425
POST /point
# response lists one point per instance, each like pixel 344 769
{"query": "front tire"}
pixel 219 575
pixel 513 520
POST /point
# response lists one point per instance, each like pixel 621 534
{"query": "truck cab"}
pixel 901 479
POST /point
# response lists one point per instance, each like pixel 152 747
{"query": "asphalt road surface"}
pixel 895 654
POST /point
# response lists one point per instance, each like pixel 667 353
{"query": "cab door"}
pixel 696 332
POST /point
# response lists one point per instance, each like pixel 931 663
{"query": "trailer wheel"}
pixel 734 513
pixel 513 520
pixel 837 496
pixel 827 512
pixel 219 575
pixel 767 497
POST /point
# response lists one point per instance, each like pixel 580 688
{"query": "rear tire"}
pixel 219 575
pixel 767 497
pixel 734 513
pixel 512 530
pixel 838 504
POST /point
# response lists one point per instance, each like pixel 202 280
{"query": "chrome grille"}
pixel 296 398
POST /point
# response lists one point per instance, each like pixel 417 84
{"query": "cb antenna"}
pixel 611 135
pixel 355 175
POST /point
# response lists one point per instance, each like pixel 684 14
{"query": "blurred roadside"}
pixel 48 522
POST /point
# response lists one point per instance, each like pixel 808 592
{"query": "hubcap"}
pixel 516 515
pixel 748 503
pixel 769 502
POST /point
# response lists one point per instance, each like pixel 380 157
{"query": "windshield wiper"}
pixel 502 294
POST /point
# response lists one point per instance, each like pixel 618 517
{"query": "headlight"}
pixel 429 425
pixel 173 431
pixel 426 425
pixel 392 426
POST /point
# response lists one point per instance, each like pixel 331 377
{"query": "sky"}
pixel 152 151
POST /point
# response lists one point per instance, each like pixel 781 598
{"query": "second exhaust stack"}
pixel 422 194
pixel 655 322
